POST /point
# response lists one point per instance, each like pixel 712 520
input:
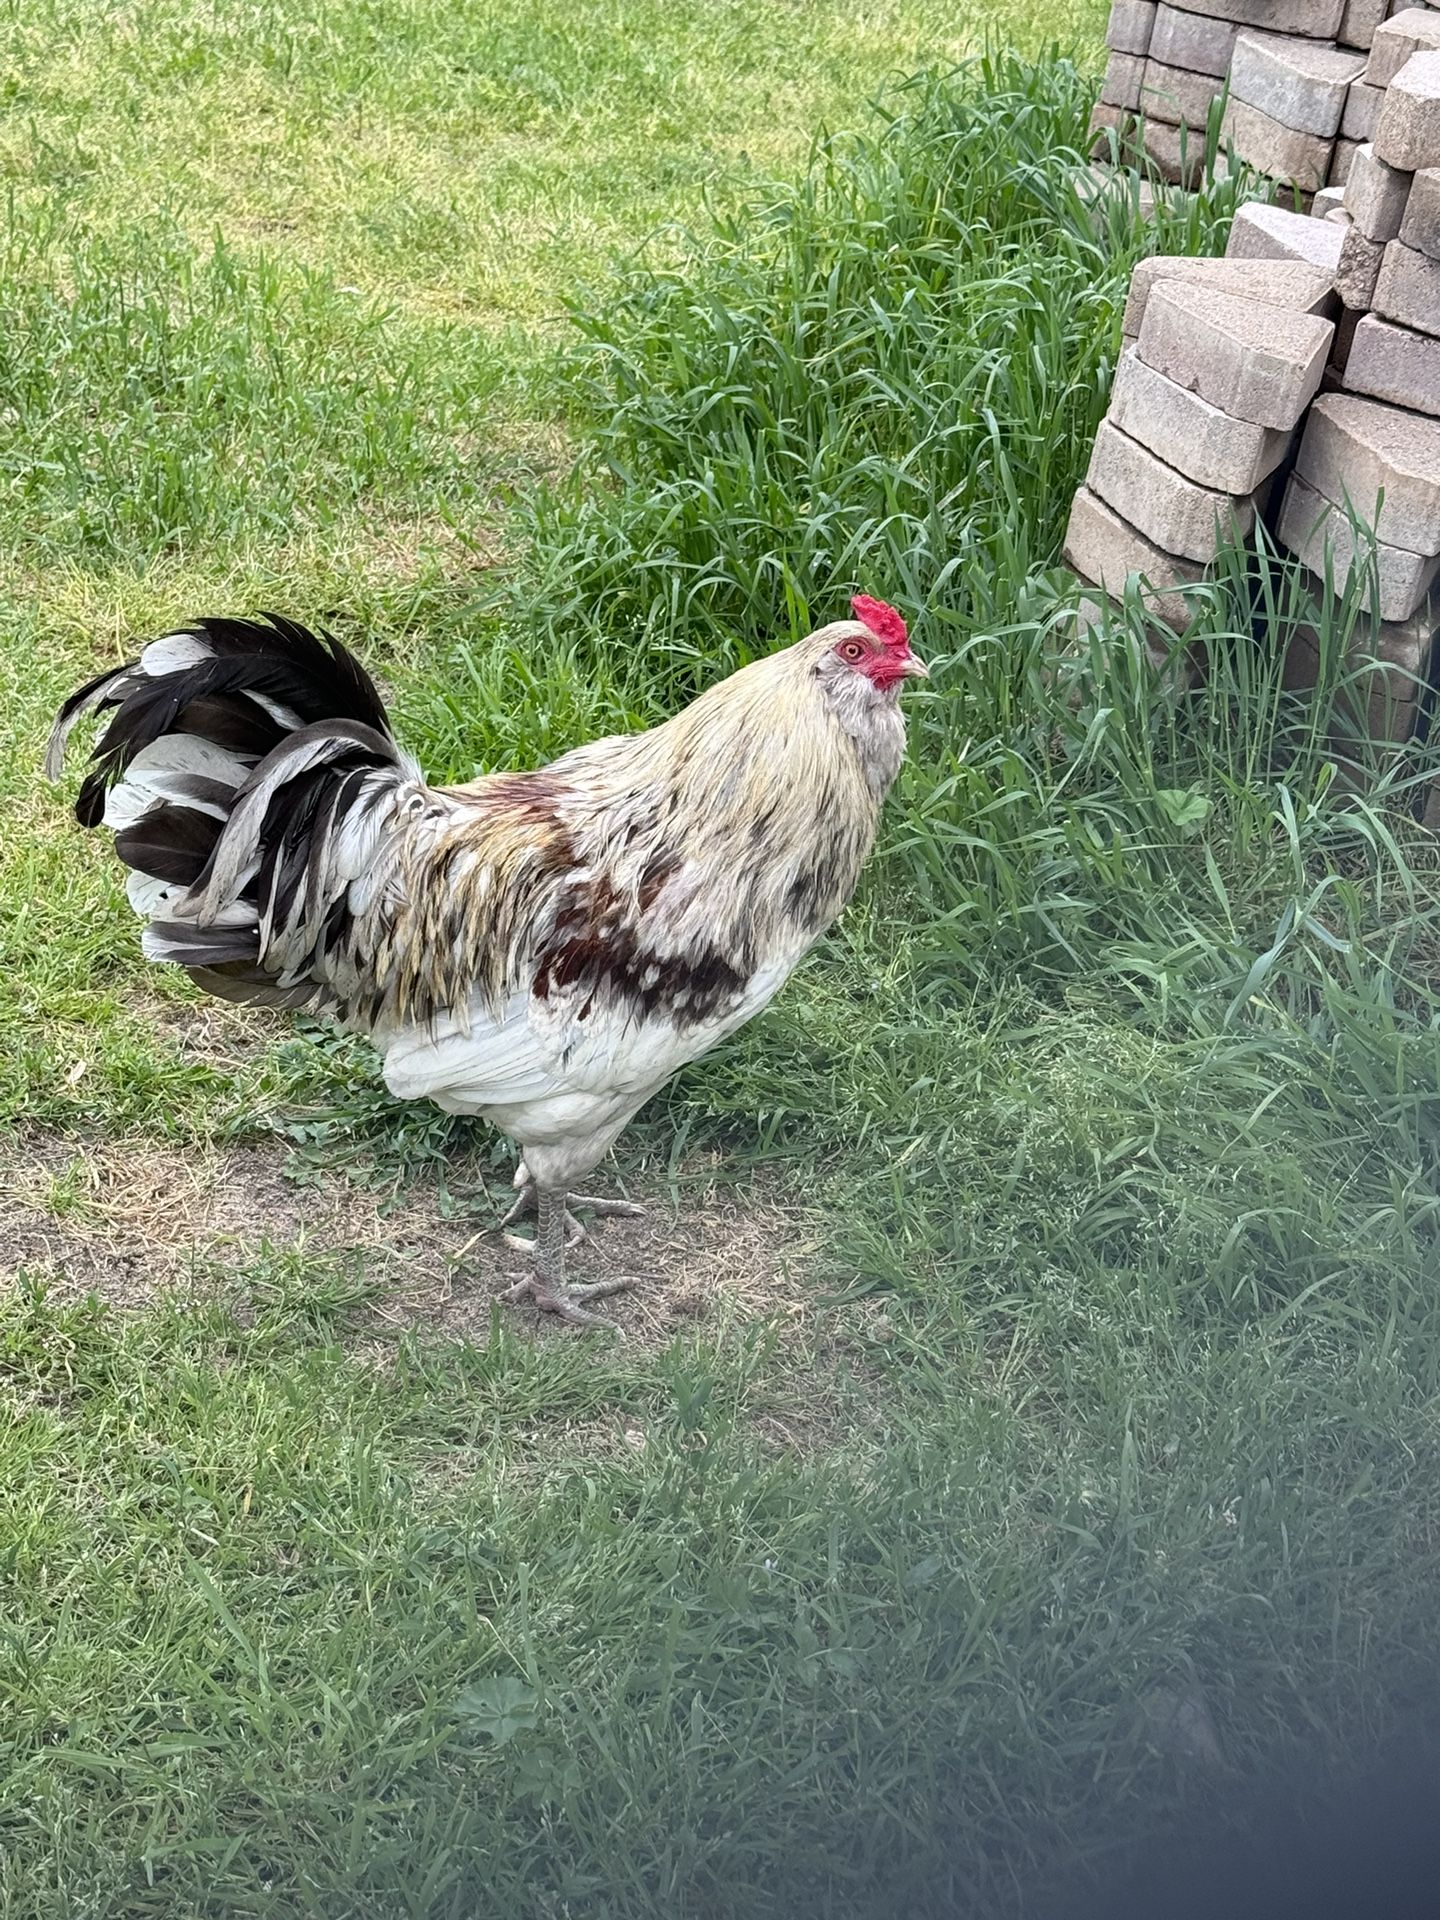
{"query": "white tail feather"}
pixel 174 652
pixel 153 775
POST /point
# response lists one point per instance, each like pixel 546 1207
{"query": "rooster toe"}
pixel 566 1303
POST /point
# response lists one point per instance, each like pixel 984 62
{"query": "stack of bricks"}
pixel 1298 76
pixel 1221 360
pixel 1370 452
pixel 1297 379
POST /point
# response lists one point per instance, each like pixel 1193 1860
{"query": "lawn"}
pixel 1040 1328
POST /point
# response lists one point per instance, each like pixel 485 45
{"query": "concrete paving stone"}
pixel 1408 289
pixel 1405 33
pixel 1319 19
pixel 1193 40
pixel 1345 328
pixel 1198 440
pixel 1112 128
pixel 1359 450
pixel 1313 529
pixel 1262 232
pixel 1362 111
pixel 1408 135
pixel 1130 25
pixel 1420 227
pixel 1278 150
pixel 1123 75
pixel 1257 362
pixel 1176 153
pixel 1176 96
pixel 1100 624
pixel 1342 160
pixel 1375 194
pixel 1359 269
pixel 1359 21
pixel 1281 283
pixel 1393 363
pixel 1392 691
pixel 1104 548
pixel 1171 510
pixel 1300 83
pixel 1098 185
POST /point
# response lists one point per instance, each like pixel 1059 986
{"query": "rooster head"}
pixel 883 653
pixel 875 645
pixel 858 667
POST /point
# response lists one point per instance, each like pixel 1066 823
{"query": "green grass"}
pixel 1114 1092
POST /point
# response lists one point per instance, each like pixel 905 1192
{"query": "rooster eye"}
pixel 853 650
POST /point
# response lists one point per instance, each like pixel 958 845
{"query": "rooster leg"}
pixel 526 1203
pixel 525 1192
pixel 546 1286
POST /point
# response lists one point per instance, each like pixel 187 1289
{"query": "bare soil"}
pixel 134 1219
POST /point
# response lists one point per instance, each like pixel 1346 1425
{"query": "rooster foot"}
pixel 567 1302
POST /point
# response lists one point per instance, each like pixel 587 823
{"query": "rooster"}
pixel 543 949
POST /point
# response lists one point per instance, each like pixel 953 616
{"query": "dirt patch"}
pixel 133 1219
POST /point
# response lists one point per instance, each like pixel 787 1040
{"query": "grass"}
pixel 1113 1096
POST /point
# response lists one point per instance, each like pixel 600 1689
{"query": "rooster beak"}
pixel 914 668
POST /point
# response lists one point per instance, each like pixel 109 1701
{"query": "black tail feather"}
pixel 171 843
pixel 268 739
pixel 314 677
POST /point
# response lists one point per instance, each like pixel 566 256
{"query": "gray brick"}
pixel 1099 186
pixel 1362 111
pixel 1341 161
pixel 1329 204
pixel 1421 226
pixel 1360 450
pixel 1130 26
pixel 1359 269
pixel 1409 288
pixel 1112 128
pixel 1176 96
pixel 1300 83
pixel 1312 528
pixel 1403 34
pixel 1319 19
pixel 1359 21
pixel 1280 283
pixel 1345 329
pixel 1375 195
pixel 1278 150
pixel 1392 690
pixel 1192 40
pixel 1261 232
pixel 1174 512
pixel 1393 363
pixel 1106 549
pixel 1176 153
pixel 1101 626
pixel 1198 440
pixel 1408 135
pixel 1260 363
pixel 1121 85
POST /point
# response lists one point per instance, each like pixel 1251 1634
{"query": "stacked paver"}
pixel 1301 79
pixel 1221 359
pixel 1298 379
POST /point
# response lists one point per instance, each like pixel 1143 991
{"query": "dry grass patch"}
pixel 133 1219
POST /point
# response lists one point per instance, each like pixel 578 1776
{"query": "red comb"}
pixel 884 622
